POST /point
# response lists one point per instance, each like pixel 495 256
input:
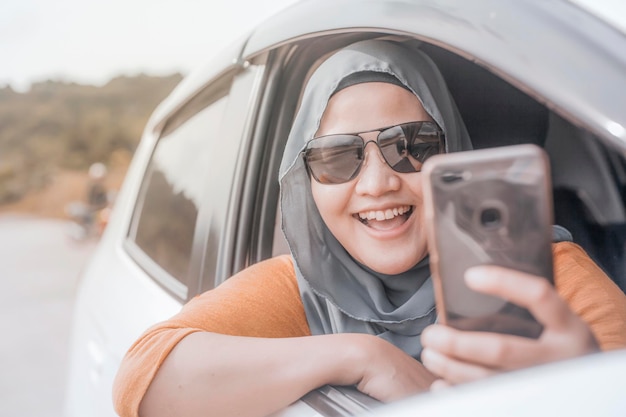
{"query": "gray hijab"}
pixel 339 294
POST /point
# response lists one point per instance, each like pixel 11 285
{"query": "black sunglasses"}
pixel 335 159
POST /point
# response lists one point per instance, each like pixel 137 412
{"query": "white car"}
pixel 200 199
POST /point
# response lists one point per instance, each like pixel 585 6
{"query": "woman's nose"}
pixel 376 176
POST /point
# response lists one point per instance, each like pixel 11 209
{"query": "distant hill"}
pixel 60 127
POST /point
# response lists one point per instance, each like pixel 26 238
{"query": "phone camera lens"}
pixel 490 217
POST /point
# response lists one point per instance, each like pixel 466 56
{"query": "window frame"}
pixel 218 88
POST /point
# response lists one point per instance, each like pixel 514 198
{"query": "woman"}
pixel 353 304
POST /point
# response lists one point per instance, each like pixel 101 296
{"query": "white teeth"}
pixel 384 215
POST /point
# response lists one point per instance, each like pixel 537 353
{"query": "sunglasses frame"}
pixel 437 129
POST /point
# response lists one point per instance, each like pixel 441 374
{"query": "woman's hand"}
pixel 384 371
pixel 461 356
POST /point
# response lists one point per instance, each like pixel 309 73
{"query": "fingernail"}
pixel 430 359
pixel 476 275
pixel 438 385
pixel 426 356
pixel 432 336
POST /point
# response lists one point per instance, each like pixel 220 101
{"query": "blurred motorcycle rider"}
pixel 97 198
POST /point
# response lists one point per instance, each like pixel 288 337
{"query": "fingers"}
pixel 451 370
pixel 491 350
pixel 531 292
pixel 439 384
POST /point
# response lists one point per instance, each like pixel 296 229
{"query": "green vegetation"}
pixel 59 125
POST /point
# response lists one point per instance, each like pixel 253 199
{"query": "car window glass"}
pixel 165 217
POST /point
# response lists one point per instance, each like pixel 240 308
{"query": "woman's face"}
pixel 398 242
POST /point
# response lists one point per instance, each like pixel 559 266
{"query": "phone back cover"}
pixel 491 207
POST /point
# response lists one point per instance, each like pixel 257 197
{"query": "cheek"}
pixel 415 186
pixel 416 189
pixel 331 200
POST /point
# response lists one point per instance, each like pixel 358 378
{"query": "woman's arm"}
pixel 214 374
pixel 245 349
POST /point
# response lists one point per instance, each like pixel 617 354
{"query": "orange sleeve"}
pixel 260 301
pixel 591 294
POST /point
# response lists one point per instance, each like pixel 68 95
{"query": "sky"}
pixel 92 41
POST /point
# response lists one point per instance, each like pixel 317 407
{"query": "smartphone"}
pixel 487 207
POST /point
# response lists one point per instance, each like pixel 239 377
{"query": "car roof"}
pixel 612 11
pixel 556 51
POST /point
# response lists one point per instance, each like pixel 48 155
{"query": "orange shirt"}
pixel 264 301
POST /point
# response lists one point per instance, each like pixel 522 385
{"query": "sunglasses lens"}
pixel 393 145
pixel 334 159
pixel 407 146
pixel 424 141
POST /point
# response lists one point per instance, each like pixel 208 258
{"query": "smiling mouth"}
pixel 385 219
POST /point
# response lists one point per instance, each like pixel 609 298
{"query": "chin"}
pixel 392 266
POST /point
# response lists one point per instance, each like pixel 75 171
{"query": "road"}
pixel 39 269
